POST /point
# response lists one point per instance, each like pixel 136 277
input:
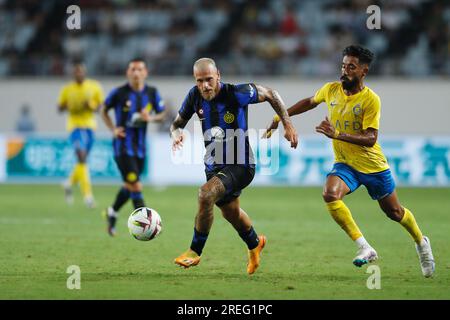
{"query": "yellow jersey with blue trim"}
pixel 81 101
pixel 353 114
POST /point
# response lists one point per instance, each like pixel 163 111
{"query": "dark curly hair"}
pixel 364 55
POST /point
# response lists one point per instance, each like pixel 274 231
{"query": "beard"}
pixel 348 84
pixel 209 95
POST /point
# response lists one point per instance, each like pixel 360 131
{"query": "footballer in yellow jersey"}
pixel 80 99
pixel 352 114
pixel 353 122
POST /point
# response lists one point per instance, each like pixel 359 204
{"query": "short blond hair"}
pixel 203 62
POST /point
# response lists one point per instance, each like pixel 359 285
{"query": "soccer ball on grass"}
pixel 144 224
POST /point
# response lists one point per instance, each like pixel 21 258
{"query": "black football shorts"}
pixel 234 178
pixel 130 168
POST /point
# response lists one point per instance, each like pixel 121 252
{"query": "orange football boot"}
pixel 188 259
pixel 254 255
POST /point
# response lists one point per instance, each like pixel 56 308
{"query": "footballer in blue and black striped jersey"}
pixel 135 104
pixel 222 109
pixel 224 121
pixel 127 105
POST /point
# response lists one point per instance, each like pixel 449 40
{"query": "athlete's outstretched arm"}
pixel 299 107
pixel 302 106
pixel 273 97
pixel 176 132
pixel 367 138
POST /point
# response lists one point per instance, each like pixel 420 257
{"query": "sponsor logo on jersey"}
pixel 357 110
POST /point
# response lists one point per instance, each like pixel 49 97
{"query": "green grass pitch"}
pixel 307 255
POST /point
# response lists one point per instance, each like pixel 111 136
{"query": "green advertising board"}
pixel 55 157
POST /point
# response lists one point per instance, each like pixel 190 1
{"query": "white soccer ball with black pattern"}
pixel 144 224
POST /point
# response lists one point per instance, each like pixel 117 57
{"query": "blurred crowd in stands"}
pixel 246 37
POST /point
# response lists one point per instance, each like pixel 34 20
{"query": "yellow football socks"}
pixel 410 224
pixel 85 181
pixel 75 175
pixel 342 215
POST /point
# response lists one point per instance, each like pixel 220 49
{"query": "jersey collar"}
pixel 132 90
pixel 353 96
pixel 220 89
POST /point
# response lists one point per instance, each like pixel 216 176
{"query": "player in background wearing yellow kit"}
pixel 80 99
pixel 353 122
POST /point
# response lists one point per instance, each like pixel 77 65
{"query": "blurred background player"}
pixel 80 99
pixel 354 111
pixel 133 105
pixel 25 123
pixel 230 167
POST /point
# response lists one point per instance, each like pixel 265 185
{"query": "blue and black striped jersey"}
pixel 126 102
pixel 224 123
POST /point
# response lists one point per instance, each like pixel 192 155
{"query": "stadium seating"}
pixel 245 37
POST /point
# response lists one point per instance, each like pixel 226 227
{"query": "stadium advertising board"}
pixel 414 161
pixel 2 158
pixel 53 157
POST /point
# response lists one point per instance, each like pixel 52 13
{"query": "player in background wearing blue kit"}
pixel 135 104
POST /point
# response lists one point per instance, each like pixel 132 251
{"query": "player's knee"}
pixel 330 195
pixel 205 197
pixel 230 214
pixel 82 156
pixel 226 214
pixel 134 187
pixel 394 213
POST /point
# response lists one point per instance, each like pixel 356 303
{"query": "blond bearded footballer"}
pixel 354 112
pixel 222 110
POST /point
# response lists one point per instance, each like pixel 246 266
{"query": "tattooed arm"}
pixel 274 98
pixel 300 107
pixel 176 132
